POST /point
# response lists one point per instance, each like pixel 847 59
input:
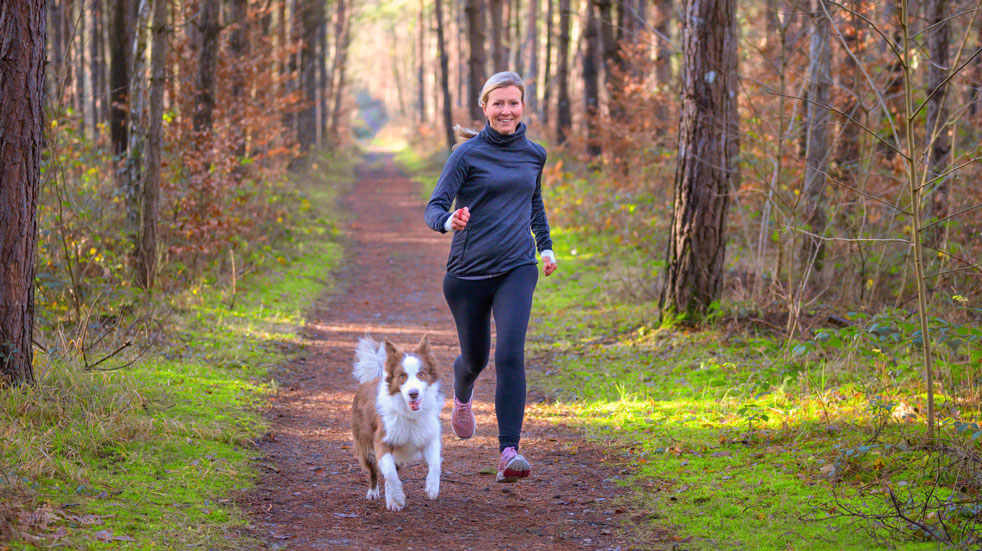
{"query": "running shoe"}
pixel 512 466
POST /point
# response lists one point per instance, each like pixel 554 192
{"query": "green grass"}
pixel 153 453
pixel 736 439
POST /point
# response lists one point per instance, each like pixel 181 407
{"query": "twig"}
pixel 125 345
pixel 850 240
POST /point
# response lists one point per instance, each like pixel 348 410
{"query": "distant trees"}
pixel 22 43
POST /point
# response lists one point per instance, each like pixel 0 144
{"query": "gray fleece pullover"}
pixel 499 178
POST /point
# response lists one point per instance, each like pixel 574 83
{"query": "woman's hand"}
pixel 459 219
pixel 548 266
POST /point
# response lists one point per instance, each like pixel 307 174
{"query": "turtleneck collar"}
pixel 496 138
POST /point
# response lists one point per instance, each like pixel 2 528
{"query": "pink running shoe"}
pixel 462 418
pixel 512 466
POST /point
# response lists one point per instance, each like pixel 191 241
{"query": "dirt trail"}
pixel 312 495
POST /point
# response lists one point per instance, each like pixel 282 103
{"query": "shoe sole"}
pixel 517 468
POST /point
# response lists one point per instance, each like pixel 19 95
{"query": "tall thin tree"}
pixel 22 84
pixel 547 69
pixel 476 61
pixel 591 79
pixel 531 76
pixel 564 116
pixel 496 11
pixel 816 135
pixel 209 28
pixel 444 75
pixel 313 15
pixel 119 74
pixel 706 169
pixel 146 252
pixel 938 140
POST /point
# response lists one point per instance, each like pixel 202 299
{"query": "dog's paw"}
pixel 372 494
pixel 395 498
pixel 432 488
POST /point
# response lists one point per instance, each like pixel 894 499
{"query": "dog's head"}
pixel 410 373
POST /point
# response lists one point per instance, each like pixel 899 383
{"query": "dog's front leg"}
pixel 395 498
pixel 432 457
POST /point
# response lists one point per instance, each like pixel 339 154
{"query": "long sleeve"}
pixel 540 225
pixel 438 209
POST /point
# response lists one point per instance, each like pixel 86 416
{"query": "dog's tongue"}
pixel 415 405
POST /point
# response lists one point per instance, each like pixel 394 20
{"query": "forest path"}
pixel 312 493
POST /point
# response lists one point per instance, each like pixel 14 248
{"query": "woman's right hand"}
pixel 459 219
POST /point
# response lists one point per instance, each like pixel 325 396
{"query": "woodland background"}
pixel 836 208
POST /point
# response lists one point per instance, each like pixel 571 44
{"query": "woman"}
pixel 495 179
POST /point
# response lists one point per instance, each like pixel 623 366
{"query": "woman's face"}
pixel 504 109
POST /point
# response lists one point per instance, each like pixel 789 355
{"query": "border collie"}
pixel 395 418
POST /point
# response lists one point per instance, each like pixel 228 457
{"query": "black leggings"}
pixel 472 301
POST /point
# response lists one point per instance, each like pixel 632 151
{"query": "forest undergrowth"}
pixel 741 433
pixel 139 437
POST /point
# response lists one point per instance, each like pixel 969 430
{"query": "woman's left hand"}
pixel 548 266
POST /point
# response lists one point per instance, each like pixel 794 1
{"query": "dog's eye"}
pixel 402 377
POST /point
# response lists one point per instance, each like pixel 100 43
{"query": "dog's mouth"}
pixel 415 404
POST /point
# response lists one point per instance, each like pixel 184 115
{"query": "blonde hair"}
pixel 497 80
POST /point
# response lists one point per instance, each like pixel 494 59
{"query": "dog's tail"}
pixel 369 359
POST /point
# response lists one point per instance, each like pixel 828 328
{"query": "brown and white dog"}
pixel 395 418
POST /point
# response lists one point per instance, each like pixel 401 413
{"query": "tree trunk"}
pixel 97 68
pixel 341 59
pixel 420 65
pixel 137 125
pixel 22 87
pixel 119 74
pixel 515 37
pixel 239 48
pixel 816 134
pixel 444 76
pixel 591 78
pixel 475 34
pixel 209 28
pixel 323 76
pixel 313 20
pixel 547 70
pixel 663 65
pixel 706 170
pixel 81 96
pixel 610 46
pixel 496 10
pixel 564 118
pixel 146 253
pixel 531 84
pixel 939 141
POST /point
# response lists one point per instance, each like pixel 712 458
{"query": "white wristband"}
pixel 448 225
pixel 549 254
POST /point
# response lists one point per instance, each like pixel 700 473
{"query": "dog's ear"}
pixel 392 357
pixel 424 351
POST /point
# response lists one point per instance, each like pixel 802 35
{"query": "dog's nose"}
pixel 413 394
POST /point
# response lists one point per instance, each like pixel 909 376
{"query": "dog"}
pixel 395 417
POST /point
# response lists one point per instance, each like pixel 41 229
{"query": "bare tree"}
pixel 496 10
pixel 706 170
pixel 119 74
pixel 564 117
pixel 444 76
pixel 313 22
pixel 531 86
pixel 547 69
pixel 340 65
pixel 938 69
pixel 816 136
pixel 209 27
pixel 146 252
pixel 421 58
pixel 22 43
pixel 591 78
pixel 475 33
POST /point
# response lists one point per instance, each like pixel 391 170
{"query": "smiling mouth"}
pixel 415 404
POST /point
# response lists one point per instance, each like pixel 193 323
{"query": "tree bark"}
pixel 420 65
pixel 547 70
pixel 816 134
pixel 938 42
pixel 531 80
pixel 313 20
pixel 119 74
pixel 341 59
pixel 146 253
pixel 564 118
pixel 475 33
pixel 496 10
pixel 136 132
pixel 209 28
pixel 97 68
pixel 444 76
pixel 663 66
pixel 22 88
pixel 239 48
pixel 591 78
pixel 706 170
pixel 610 46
